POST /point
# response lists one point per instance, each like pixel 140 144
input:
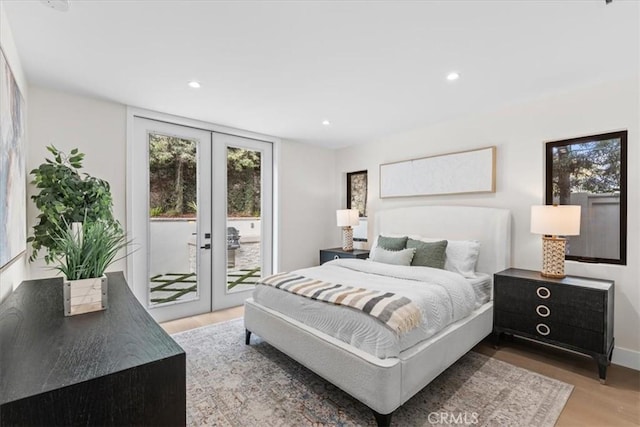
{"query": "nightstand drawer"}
pixel 535 292
pixel 327 255
pixel 552 332
pixel 548 311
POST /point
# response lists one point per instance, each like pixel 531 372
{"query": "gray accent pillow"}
pixel 392 243
pixel 428 254
pixel 402 257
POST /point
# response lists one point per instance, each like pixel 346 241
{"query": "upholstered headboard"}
pixel 490 226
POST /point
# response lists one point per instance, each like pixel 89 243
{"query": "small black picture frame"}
pixel 357 192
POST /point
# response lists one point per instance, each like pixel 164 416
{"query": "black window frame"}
pixel 622 135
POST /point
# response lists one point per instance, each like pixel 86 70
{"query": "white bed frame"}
pixel 385 384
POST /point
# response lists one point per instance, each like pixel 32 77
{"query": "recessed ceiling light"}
pixel 194 84
pixel 326 122
pixel 59 5
pixel 453 76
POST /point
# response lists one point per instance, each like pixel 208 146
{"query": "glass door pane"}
pixel 173 209
pixel 244 203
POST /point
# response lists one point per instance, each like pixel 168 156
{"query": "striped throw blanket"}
pixel 397 312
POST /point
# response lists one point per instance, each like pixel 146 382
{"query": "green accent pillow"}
pixel 392 243
pixel 428 254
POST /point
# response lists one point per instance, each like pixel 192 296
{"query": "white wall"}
pixel 519 133
pixel 170 246
pixel 10 51
pixel 97 128
pixel 307 219
pixel 13 274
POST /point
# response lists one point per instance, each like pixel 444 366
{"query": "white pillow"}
pixel 401 257
pixel 461 256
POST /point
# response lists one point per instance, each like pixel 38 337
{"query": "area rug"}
pixel 232 384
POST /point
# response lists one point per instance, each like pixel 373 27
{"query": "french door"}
pixel 201 217
pixel 243 180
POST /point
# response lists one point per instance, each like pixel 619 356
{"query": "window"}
pixel 591 172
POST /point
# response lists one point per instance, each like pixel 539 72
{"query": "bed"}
pixel 385 381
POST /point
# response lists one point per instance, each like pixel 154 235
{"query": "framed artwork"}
pixel 472 171
pixel 357 192
pixel 13 222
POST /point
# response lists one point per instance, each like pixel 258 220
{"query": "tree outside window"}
pixel 172 176
pixel 173 179
pixel 591 172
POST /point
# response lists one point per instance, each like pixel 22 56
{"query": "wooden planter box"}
pixel 85 295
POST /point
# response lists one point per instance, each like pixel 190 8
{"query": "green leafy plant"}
pixel 156 211
pixel 88 248
pixel 66 196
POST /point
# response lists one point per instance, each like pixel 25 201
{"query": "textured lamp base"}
pixel 347 238
pixel 553 251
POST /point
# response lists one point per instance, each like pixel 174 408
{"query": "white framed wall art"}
pixel 472 171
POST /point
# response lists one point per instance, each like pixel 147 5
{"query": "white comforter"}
pixel 442 296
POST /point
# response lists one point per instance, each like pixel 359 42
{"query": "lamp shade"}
pixel 555 220
pixel 347 217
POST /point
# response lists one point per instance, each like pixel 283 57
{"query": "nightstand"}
pixel 337 253
pixel 574 313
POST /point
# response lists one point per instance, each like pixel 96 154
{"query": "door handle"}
pixel 206 246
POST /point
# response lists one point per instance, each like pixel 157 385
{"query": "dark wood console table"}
pixel 112 367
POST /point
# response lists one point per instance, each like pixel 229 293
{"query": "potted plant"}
pixel 65 196
pixel 88 248
pixel 77 229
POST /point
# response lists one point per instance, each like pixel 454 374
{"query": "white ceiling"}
pixel 281 68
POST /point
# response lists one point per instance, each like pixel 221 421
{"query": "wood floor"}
pixel 187 323
pixel 616 403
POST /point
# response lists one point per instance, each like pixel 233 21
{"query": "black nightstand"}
pixel 575 313
pixel 336 253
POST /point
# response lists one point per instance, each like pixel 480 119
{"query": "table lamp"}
pixel 346 218
pixel 553 221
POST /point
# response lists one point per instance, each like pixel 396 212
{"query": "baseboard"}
pixel 627 358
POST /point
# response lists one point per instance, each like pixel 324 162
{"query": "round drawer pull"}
pixel 543 329
pixel 336 257
pixel 543 292
pixel 543 311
